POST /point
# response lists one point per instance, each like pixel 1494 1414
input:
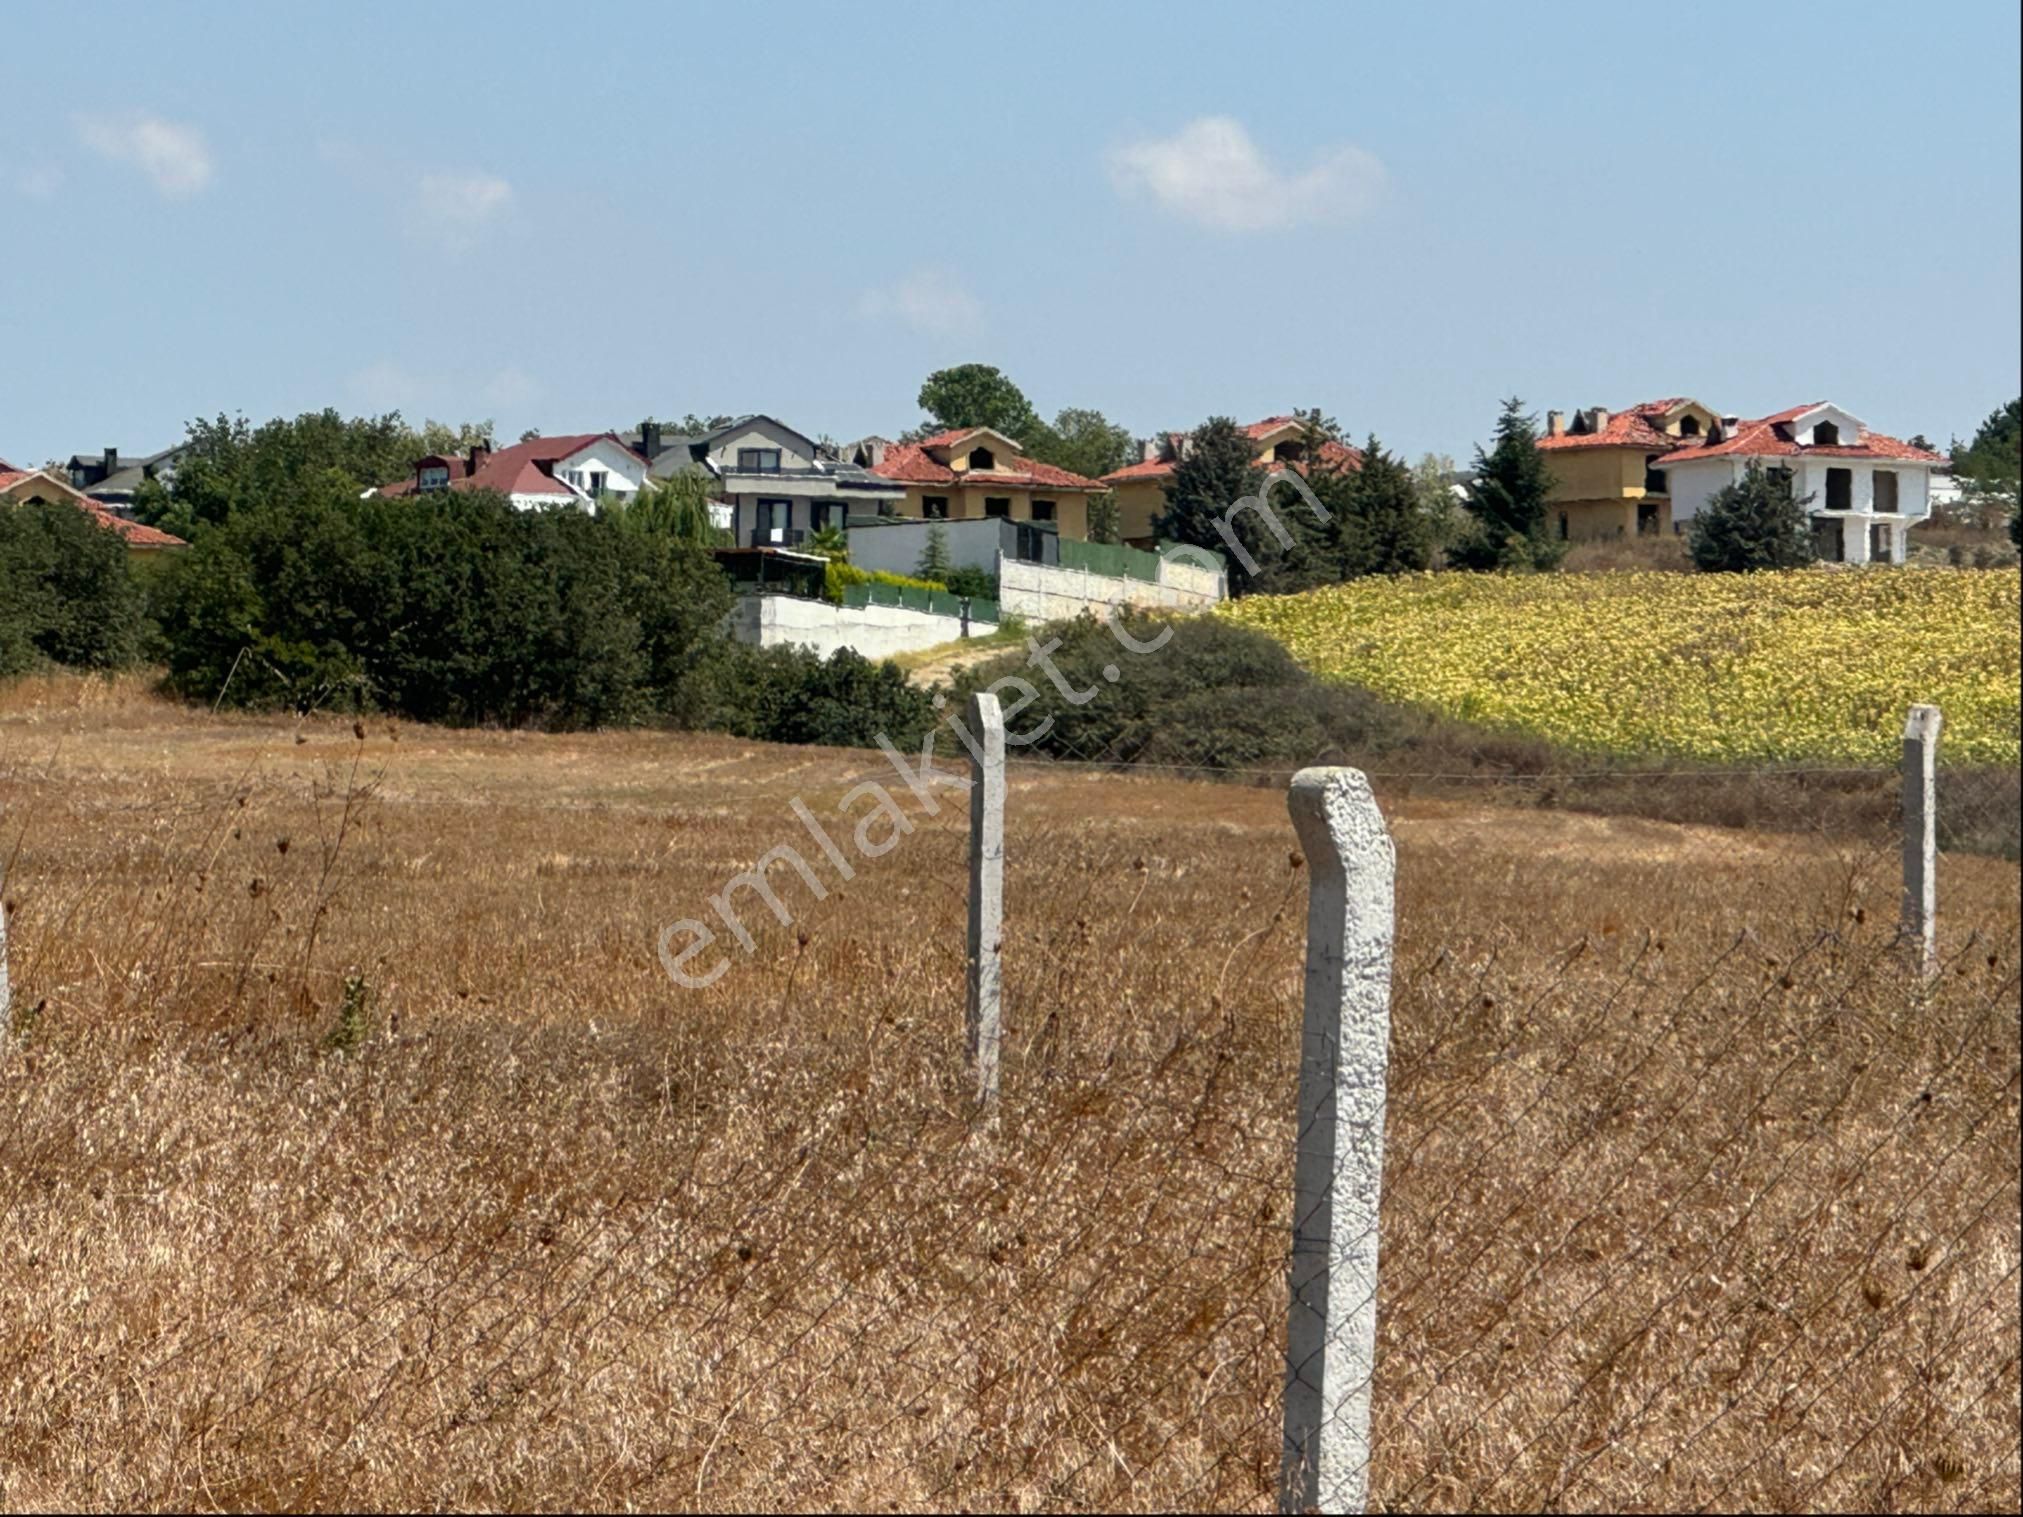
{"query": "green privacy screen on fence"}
pixel 1109 559
pixel 906 597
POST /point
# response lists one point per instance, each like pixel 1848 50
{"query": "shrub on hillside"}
pixel 67 590
pixel 1212 696
pixel 793 695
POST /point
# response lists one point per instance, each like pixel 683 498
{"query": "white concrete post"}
pixel 986 890
pixel 1331 1330
pixel 1921 830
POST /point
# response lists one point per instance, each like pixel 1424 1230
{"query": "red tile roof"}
pixel 911 463
pixel 526 468
pixel 1637 426
pixel 1335 455
pixel 1770 437
pixel 136 534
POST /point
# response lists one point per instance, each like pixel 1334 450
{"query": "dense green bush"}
pixel 792 695
pixel 1212 696
pixel 67 590
pixel 839 575
pixel 449 607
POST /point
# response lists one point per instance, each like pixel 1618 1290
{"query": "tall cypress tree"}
pixel 1214 473
pixel 1507 500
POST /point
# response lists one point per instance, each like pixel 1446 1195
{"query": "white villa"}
pixel 1863 489
pixel 578 470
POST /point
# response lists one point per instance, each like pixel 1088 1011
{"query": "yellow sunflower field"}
pixel 1778 667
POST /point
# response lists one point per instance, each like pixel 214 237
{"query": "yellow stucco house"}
pixel 1141 487
pixel 969 473
pixel 1608 467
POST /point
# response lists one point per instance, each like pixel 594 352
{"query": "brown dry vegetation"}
pixel 1694 1197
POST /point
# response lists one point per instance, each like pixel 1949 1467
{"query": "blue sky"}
pixel 572 219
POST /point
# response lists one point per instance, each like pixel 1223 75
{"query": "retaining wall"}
pixel 773 621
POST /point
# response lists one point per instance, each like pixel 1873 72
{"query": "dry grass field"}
pixel 1696 1196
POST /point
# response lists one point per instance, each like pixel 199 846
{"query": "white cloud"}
pixel 174 156
pixel 453 209
pixel 1211 172
pixel 932 302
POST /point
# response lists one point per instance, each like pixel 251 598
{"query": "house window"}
pixel 826 513
pixel 1689 426
pixel 1781 478
pixel 1647 518
pixel 1289 452
pixel 593 483
pixel 1885 490
pixel 774 516
pixel 434 479
pixel 934 507
pixel 1825 434
pixel 1654 481
pixel 758 460
pixel 998 506
pixel 982 458
pixel 1562 526
pixel 1840 489
pixel 1043 510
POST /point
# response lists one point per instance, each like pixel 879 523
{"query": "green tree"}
pixel 1506 501
pixel 978 395
pixel 1105 526
pixel 676 508
pixel 1385 530
pixel 1081 441
pixel 67 590
pixel 1215 471
pixel 1996 453
pixel 1754 523
pixel 934 561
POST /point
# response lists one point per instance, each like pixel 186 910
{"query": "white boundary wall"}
pixel 1048 592
pixel 773 621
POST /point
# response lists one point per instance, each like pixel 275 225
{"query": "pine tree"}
pixel 1752 524
pixel 1386 530
pixel 1214 473
pixel 934 561
pixel 1103 527
pixel 1507 500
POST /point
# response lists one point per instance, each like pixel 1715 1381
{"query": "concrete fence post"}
pixel 982 1020
pixel 1331 1329
pixel 1921 830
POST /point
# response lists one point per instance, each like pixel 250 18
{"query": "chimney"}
pixel 649 439
pixel 1555 423
pixel 111 460
pixel 1601 418
pixel 1148 450
pixel 479 453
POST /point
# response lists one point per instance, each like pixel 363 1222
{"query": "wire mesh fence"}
pixel 1698 1192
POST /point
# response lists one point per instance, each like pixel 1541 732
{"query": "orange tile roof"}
pixel 910 463
pixel 1633 427
pixel 135 534
pixel 1768 437
pixel 1334 454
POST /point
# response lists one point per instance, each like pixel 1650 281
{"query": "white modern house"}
pixel 1864 490
pixel 782 488
pixel 578 470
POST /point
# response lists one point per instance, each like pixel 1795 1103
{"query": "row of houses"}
pixel 1642 470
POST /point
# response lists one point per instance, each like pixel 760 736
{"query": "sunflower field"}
pixel 1772 667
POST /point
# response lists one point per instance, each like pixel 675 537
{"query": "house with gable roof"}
pixel 1607 470
pixel 976 473
pixel 576 470
pixel 783 487
pixel 1141 487
pixel 1864 489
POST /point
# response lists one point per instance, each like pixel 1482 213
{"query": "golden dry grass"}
pixel 1693 1196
